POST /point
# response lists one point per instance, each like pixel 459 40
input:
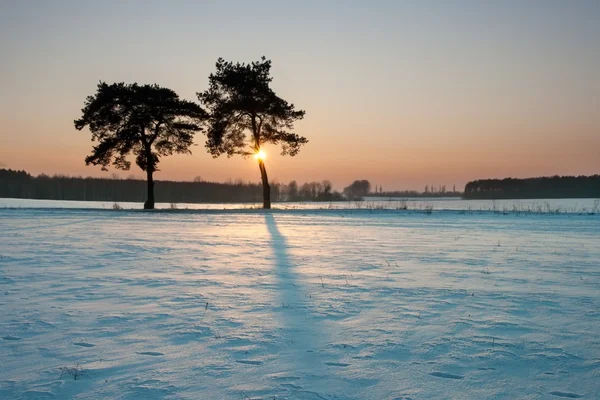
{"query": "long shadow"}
pixel 303 334
pixel 289 289
pixel 279 245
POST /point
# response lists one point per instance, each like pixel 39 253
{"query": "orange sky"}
pixel 401 94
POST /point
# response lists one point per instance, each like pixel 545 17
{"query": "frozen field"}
pixel 300 304
pixel 561 206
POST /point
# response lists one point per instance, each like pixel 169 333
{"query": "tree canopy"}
pixel 245 113
pixel 357 189
pixel 148 121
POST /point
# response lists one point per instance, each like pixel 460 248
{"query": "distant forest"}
pixel 20 184
pixel 534 188
pixel 430 191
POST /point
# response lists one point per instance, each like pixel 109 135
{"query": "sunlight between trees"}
pixel 239 113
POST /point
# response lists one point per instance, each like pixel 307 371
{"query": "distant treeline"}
pixel 532 188
pixel 20 184
pixel 430 191
pixel 414 193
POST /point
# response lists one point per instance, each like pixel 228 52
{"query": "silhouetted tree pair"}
pixel 242 114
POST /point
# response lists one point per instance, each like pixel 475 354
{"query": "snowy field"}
pixel 298 304
pixel 548 206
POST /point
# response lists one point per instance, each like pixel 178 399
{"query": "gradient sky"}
pixel 403 93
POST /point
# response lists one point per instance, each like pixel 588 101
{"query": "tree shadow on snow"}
pixel 302 332
pixel 289 289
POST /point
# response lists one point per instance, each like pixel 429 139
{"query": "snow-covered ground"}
pixel 561 206
pixel 298 304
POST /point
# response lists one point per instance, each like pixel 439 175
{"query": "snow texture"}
pixel 298 304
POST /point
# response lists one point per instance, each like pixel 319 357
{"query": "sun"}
pixel 260 155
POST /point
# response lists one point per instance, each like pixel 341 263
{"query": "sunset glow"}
pixel 440 95
pixel 260 155
pixel 423 158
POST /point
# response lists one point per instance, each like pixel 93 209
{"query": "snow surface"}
pixel 414 203
pixel 301 304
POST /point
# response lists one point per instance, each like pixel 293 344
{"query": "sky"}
pixel 402 93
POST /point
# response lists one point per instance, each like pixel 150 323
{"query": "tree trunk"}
pixel 149 204
pixel 266 186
